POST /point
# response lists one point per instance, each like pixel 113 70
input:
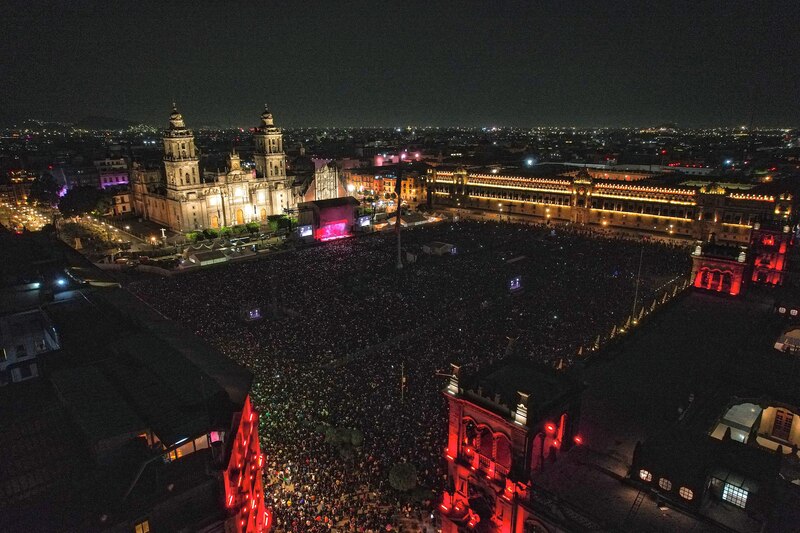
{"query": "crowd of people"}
pixel 343 329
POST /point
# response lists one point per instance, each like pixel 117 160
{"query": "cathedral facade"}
pixel 184 200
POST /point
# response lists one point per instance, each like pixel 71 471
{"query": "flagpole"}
pixel 638 277
pixel 397 189
pixel 403 381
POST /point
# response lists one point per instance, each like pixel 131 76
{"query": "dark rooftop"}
pixel 721 251
pixel 546 387
pixel 331 202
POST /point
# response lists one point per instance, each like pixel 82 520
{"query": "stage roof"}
pixel 331 202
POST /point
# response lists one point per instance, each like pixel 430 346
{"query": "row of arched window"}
pixel 490 445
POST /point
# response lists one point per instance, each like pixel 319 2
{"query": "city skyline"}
pixel 513 65
pixel 523 266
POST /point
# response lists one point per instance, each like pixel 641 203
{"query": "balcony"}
pixel 500 471
pixel 179 158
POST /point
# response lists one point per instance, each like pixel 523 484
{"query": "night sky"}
pixel 376 63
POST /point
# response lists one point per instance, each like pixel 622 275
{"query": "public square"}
pixel 342 327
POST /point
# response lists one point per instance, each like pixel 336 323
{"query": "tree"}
pixel 277 222
pixel 330 435
pixel 356 438
pixel 343 435
pixel 104 204
pixel 84 200
pixel 403 476
pixel 44 190
pixel 346 453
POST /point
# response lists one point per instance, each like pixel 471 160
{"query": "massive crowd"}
pixel 342 326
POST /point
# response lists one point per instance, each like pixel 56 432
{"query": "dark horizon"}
pixel 359 64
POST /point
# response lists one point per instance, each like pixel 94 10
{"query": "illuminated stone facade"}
pixel 326 180
pixel 770 247
pixel 675 211
pixel 320 181
pixel 183 200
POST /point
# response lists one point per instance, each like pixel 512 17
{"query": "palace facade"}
pixel 182 199
pixel 660 206
pixel 505 428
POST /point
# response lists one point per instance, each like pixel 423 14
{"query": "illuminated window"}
pixel 686 493
pixel 782 427
pixel 735 495
pixel 665 484
pixel 782 310
pixel 793 312
pixel 143 527
pixel 644 475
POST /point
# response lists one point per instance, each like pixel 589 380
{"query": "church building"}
pixel 183 199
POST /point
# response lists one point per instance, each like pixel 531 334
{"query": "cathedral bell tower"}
pixel 271 166
pixel 269 157
pixel 181 161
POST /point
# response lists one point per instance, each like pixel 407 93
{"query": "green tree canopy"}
pixel 44 190
pixel 83 200
pixel 277 222
pixel 403 476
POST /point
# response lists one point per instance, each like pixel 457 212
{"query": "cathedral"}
pixel 179 197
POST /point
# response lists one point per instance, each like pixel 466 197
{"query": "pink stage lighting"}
pixel 334 230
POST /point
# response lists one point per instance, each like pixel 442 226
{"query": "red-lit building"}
pixel 719 268
pixel 769 245
pixel 504 428
pixel 139 426
pixel 244 487
pixel 726 269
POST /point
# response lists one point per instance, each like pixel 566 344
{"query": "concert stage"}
pixel 326 220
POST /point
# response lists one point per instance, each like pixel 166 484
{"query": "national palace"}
pixel 669 206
